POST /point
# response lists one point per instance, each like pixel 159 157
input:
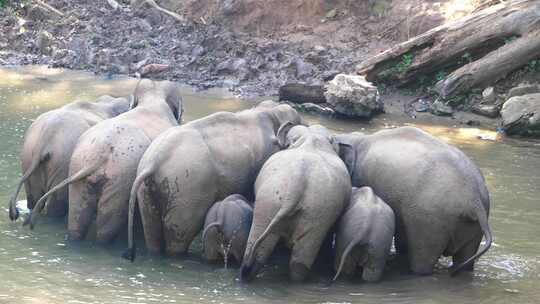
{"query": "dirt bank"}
pixel 251 47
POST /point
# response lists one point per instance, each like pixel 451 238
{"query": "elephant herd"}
pixel 249 180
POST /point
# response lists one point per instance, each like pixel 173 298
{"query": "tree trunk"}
pixel 477 49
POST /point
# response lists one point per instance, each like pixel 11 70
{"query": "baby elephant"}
pixel 226 229
pixel 364 235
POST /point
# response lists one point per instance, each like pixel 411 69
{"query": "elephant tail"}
pixel 282 213
pixel 13 212
pixel 211 225
pixel 218 223
pixel 129 253
pixel 482 218
pixel 84 172
pixel 346 253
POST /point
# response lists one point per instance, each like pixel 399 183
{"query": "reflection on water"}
pixel 40 267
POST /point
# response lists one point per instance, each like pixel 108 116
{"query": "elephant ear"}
pixel 348 154
pixel 282 134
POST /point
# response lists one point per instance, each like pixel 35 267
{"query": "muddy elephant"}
pixel 299 194
pixel 226 229
pixel 364 235
pixel 190 167
pixel 104 163
pixel 437 193
pixel 48 145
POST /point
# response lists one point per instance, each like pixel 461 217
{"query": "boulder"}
pixel 312 108
pixel 488 110
pixel 353 96
pixel 43 42
pixel 488 95
pixel 440 109
pixel 521 115
pixel 301 93
pixel 523 89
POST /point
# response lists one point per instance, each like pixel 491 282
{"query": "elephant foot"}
pixel 129 253
pixel 298 272
pixel 248 272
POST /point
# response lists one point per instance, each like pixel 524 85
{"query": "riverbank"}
pixel 249 49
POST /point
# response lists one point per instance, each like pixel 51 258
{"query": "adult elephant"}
pixel 104 163
pixel 189 168
pixel 48 145
pixel 299 194
pixel 437 193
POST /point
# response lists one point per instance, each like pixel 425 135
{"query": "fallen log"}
pixel 153 4
pixel 472 51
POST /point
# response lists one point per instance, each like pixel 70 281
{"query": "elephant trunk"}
pixel 129 253
pixel 481 214
pixel 13 212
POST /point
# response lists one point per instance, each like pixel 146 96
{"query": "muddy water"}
pixel 41 267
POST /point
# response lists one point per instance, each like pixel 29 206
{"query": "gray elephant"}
pixel 438 195
pixel 364 235
pixel 190 167
pixel 226 229
pixel 48 145
pixel 299 194
pixel 104 163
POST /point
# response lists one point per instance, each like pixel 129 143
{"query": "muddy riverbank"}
pixel 248 49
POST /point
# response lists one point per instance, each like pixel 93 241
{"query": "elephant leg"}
pixel 34 187
pixel 426 244
pixel 467 251
pixel 112 211
pixel 374 266
pixel 182 223
pixel 57 205
pixel 304 251
pixel 150 210
pixel 212 246
pixel 82 209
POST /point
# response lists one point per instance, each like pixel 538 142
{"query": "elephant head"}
pixel 148 90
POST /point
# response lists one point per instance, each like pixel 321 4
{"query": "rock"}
pixel 44 42
pixel 488 110
pixel 488 95
pixel 521 115
pixel 312 108
pixel 353 96
pixel 422 105
pixel 440 109
pixel 153 68
pixel 523 89
pixel 301 93
pixel 231 66
pixel 331 14
pixel 38 13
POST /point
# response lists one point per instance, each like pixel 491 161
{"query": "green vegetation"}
pixel 533 66
pixel 404 64
pixel 440 75
pixel 3 3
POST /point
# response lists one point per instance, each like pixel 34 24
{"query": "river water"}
pixel 41 267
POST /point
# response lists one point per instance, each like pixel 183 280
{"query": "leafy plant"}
pixel 405 63
pixel 3 3
pixel 440 75
pixel 533 65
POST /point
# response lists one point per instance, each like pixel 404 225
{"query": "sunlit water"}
pixel 41 267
